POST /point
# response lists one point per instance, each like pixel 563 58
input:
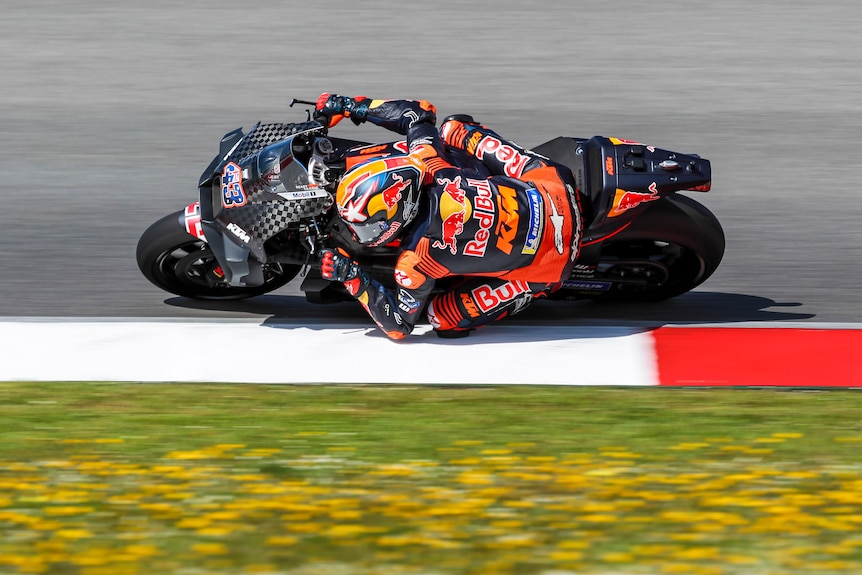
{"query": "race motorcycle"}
pixel 265 211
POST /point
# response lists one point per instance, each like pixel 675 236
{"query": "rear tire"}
pixel 184 265
pixel 674 246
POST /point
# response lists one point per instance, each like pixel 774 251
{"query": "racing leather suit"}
pixel 508 222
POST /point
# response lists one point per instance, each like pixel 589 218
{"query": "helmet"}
pixel 378 198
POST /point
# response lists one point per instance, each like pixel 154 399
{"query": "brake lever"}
pixel 295 101
pixel 307 112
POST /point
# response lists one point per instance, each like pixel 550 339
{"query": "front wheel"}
pixel 185 266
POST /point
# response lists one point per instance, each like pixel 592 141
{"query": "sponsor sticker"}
pixel 453 211
pixel 233 194
pixel 304 194
pixel 625 200
pixel 192 220
pixel 488 298
pixel 586 285
pixel 537 222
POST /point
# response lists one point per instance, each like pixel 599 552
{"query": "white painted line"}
pixel 248 351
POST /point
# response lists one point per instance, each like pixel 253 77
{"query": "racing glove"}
pixel 331 108
pixel 338 267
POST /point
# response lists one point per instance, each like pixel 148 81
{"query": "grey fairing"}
pixel 240 269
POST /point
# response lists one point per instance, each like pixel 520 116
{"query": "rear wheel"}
pixel 185 266
pixel 670 249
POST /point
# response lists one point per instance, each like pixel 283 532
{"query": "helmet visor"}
pixel 367 233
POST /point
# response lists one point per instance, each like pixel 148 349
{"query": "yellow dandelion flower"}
pixel 141 550
pixel 740 559
pixel 475 478
pixel 38 525
pixel 508 524
pixel 618 557
pixel 209 548
pixel 679 568
pixel 467 442
pixel 282 540
pixel 697 553
pixel 68 510
pixel 73 534
pixel 189 455
pixel 566 555
pixel 91 558
pixel 215 531
pixel 193 523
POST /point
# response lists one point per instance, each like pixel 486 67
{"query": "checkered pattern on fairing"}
pixel 266 214
pixel 263 135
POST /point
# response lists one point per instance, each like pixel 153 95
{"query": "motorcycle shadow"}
pixel 690 308
pixel 557 317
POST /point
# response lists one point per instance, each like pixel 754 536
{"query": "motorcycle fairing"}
pixel 275 192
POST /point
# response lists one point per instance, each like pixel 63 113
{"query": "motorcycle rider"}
pixel 507 222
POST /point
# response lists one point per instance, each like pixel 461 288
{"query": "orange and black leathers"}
pixel 509 217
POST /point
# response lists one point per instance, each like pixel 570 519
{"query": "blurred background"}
pixel 110 111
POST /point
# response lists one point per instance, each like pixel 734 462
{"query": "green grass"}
pixel 144 478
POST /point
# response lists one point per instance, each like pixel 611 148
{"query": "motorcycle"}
pixel 265 210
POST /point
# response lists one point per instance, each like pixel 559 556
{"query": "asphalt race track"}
pixel 110 111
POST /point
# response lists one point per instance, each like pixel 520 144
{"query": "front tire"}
pixel 184 265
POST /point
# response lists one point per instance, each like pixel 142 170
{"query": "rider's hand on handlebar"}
pixel 331 108
pixel 337 266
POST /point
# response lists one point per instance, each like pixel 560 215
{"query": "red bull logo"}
pixel 485 217
pixel 624 142
pixel 489 299
pixel 392 194
pixel 513 161
pixel 624 201
pixel 454 209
